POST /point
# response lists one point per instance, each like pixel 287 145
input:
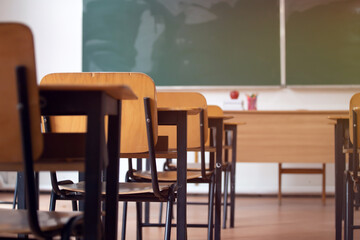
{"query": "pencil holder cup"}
pixel 251 99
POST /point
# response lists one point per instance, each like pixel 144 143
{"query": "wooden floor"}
pixel 256 218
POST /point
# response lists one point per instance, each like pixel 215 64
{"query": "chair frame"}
pixel 30 186
pixel 24 142
pixel 155 184
pixel 229 169
pixel 204 178
pixel 56 193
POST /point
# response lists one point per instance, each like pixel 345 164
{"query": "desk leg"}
pixel 81 177
pixel 112 176
pixel 233 173
pixel 93 167
pixel 339 178
pixel 181 175
pixel 219 132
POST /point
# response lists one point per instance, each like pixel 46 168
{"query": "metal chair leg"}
pixel 69 227
pixel 74 205
pixel 357 201
pixel 37 188
pixel 53 198
pixel 147 212
pixel 138 221
pixel 226 189
pixel 211 210
pixel 168 222
pixel 16 191
pixel 232 195
pixel 160 212
pixel 279 191
pixel 349 208
pixel 123 230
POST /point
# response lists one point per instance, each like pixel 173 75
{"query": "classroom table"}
pixel 95 102
pixel 178 117
pixel 217 123
pixel 280 133
pixel 231 127
pixel 341 136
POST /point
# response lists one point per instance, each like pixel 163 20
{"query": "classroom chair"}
pixel 139 135
pixel 196 125
pixel 216 111
pixel 21 141
pixel 352 185
pixel 228 167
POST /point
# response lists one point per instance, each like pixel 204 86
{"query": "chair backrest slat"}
pixel 133 127
pixel 186 100
pixel 17 49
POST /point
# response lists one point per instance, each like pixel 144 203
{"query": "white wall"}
pixel 57 28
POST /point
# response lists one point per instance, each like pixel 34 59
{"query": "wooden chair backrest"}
pixel 17 49
pixel 215 111
pixel 354 103
pixel 184 100
pixel 133 127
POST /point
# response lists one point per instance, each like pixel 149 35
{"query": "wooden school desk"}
pixel 178 117
pixel 95 102
pixel 285 136
pixel 341 137
pixel 217 123
pixel 231 127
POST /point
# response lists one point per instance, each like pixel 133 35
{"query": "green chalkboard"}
pixel 185 42
pixel 323 42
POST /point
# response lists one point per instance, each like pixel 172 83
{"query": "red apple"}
pixel 234 94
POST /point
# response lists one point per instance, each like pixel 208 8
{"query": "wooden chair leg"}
pixel 279 193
